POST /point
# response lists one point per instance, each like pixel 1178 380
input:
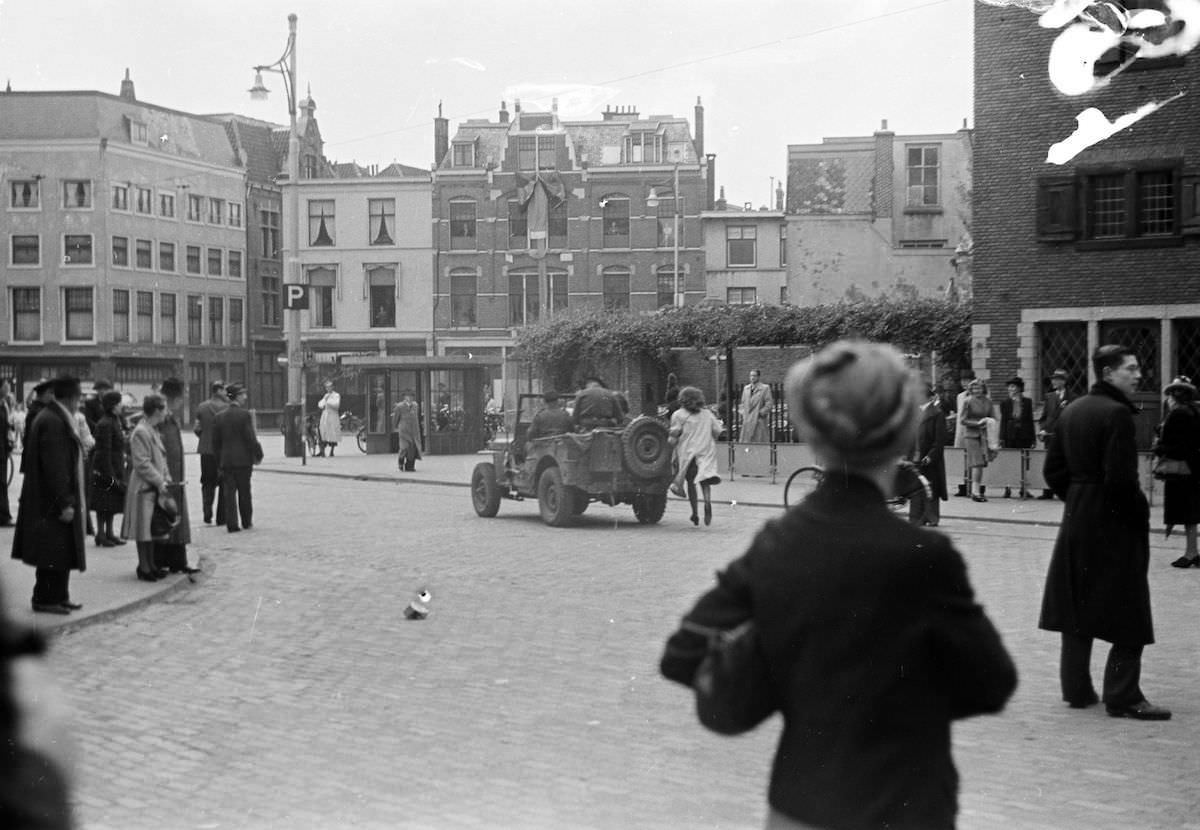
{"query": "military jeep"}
pixel 565 473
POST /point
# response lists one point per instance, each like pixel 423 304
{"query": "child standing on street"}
pixel 693 433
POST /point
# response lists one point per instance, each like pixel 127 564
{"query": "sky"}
pixel 769 72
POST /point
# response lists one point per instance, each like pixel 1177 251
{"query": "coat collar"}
pixel 846 493
pixel 1107 390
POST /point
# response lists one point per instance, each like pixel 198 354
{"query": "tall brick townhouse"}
pixel 1102 249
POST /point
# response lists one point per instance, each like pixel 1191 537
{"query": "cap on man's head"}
pixel 1061 374
pixel 217 386
pixel 66 386
pixel 234 389
pixel 42 385
pixel 1015 381
pixel 172 387
pixel 101 385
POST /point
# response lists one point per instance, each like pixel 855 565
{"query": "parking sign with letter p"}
pixel 295 296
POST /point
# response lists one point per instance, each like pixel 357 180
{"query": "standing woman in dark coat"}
pixel 171 553
pixel 1179 438
pixel 929 456
pixel 869 628
pixel 109 469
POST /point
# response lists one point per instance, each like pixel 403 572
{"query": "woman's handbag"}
pixel 107 483
pixel 733 685
pixel 164 518
pixel 1168 468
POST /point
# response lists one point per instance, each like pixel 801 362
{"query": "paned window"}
pixel 269 222
pixel 235 214
pixel 322 285
pixel 77 193
pixel 26 250
pixel 195 315
pixel 381 286
pixel 321 230
pixel 1131 204
pixel 783 246
pixel 143 253
pixel 741 246
pixel 666 284
pixel 77 250
pixel 145 317
pixel 216 320
pixel 120 313
pixel 216 211
pixel 1065 346
pixel 215 262
pixel 25 194
pixel 670 216
pixel 270 300
pixel 166 205
pixel 464 154
pixel 547 152
pixel 166 318
pixel 923 176
pixel 145 200
pixel 166 256
pixel 382 219
pixel 236 336
pixel 120 251
pixel 643 147
pixel 235 264
pixel 195 207
pixel 27 315
pixel 463 295
pixel 556 225
pixel 526 152
pixel 193 259
pixel 518 225
pixel 741 296
pixel 616 288
pixel 462 225
pixel 79 314
pixel 616 221
pixel 522 297
pixel 120 197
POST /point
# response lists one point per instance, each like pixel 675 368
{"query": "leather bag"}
pixel 164 518
pixel 1168 468
pixel 733 687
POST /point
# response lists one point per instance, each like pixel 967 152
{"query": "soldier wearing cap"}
pixel 552 419
pixel 1052 409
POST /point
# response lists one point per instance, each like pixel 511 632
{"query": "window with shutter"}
pixel 1056 209
pixel 1189 201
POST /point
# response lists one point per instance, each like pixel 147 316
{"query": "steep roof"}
pixel 254 139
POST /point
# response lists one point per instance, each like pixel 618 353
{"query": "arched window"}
pixel 381 288
pixel 667 285
pixel 462 224
pixel 322 282
pixel 670 216
pixel 616 220
pixel 463 291
pixel 616 288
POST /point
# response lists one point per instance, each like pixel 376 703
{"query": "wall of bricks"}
pixel 1018 115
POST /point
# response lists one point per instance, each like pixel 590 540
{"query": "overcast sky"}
pixel 770 72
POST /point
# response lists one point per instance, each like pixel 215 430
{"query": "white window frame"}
pixel 241 259
pixel 460 146
pixel 112 249
pixel 174 257
pixel 92 244
pixel 63 311
pixel 216 211
pixel 133 260
pixel 199 272
pixel 12 329
pixel 235 214
pixel 70 184
pixel 741 237
pixel 113 189
pixel 174 214
pixel 137 208
pixel 12 263
pixel 37 191
pixel 199 202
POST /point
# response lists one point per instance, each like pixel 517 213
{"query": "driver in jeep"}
pixel 551 419
pixel 597 406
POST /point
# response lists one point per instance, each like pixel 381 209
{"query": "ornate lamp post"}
pixel 286 67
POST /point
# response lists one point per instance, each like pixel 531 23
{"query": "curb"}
pixel 405 480
pixel 181 581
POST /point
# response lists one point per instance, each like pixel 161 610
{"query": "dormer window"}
pixel 538 152
pixel 464 154
pixel 138 132
pixel 643 147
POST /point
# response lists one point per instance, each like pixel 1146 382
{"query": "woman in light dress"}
pixel 330 426
pixel 148 480
pixel 693 433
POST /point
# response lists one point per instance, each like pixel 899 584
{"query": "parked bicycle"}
pixel 909 482
pixel 351 424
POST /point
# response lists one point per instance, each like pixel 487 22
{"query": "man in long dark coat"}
pixel 928 453
pixel 6 448
pixel 50 520
pixel 1097 584
pixel 237 449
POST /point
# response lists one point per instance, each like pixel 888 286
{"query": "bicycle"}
pixel 909 482
pixel 351 423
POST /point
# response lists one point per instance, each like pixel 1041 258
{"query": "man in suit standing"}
pixel 6 448
pixel 1097 584
pixel 210 479
pixel 925 508
pixel 237 449
pixel 50 520
pixel 1052 409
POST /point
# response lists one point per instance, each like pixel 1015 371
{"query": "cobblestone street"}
pixel 288 691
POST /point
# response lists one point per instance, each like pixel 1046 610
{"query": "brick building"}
pixel 124 232
pixel 607 239
pixel 745 256
pixel 1101 249
pixel 878 215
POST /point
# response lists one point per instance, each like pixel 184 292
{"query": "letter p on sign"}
pixel 295 297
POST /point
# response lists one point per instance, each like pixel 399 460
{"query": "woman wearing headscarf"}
pixel 869 630
pixel 1179 439
pixel 148 480
pixel 108 469
pixel 693 432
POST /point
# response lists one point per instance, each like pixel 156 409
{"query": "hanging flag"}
pixel 537 196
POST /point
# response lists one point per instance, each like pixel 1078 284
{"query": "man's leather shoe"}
pixel 71 606
pixel 1143 710
pixel 42 608
pixel 1084 702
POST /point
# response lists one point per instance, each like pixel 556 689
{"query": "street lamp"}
pixel 652 201
pixel 286 67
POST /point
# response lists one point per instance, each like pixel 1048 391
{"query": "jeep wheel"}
pixel 649 508
pixel 485 492
pixel 555 500
pixel 580 499
pixel 647 453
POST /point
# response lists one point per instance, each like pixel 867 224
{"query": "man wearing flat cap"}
pixel 50 520
pixel 552 419
pixel 237 449
pixel 1052 408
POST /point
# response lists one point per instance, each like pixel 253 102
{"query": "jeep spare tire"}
pixel 647 453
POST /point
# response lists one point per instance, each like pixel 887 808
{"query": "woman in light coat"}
pixel 148 480
pixel 693 432
pixel 330 426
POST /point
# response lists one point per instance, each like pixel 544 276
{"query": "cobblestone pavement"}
pixel 287 690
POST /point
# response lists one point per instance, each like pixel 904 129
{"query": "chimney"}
pixel 503 112
pixel 553 105
pixel 698 127
pixel 721 203
pixel 711 184
pixel 884 170
pixel 516 106
pixel 127 87
pixel 779 196
pixel 441 137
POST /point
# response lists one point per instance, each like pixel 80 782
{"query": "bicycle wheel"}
pixel 800 484
pixel 361 438
pixel 12 468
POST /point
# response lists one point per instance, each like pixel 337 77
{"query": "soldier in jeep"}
pixel 597 406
